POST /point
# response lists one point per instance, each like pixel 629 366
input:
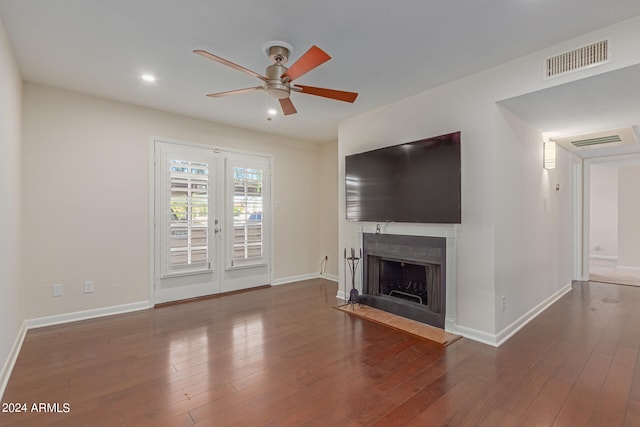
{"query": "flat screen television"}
pixel 415 182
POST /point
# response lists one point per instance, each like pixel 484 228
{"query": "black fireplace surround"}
pixel 405 275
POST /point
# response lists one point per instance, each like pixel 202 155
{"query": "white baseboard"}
pixel 476 335
pixel 510 330
pixel 301 277
pixel 604 257
pixel 11 359
pixel 86 314
pixel 331 277
pixel 627 268
pixel 496 340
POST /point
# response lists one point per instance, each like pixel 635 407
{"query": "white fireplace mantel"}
pixel 448 231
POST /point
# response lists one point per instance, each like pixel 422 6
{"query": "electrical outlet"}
pixel 504 302
pixel 58 290
pixel 88 287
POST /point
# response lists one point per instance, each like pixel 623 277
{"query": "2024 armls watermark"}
pixel 40 407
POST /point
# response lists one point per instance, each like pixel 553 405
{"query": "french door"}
pixel 212 221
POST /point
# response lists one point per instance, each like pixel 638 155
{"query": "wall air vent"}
pixel 607 139
pixel 578 59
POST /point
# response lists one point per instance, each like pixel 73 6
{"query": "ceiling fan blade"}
pixel 235 92
pixel 339 95
pixel 287 106
pixel 228 63
pixel 307 62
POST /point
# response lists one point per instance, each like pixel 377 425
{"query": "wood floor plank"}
pixel 632 416
pixel 614 396
pixel 284 356
pixel 578 406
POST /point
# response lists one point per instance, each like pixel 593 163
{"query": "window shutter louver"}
pixel 248 231
pixel 188 216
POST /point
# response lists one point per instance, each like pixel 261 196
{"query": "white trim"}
pixel 476 335
pixel 75 316
pixel 152 223
pixel 272 208
pixel 331 277
pixel 577 210
pixel 510 330
pixel 604 257
pixel 586 220
pixel 498 339
pixel 215 148
pixel 627 268
pixel 11 359
pixel 449 231
pixel 291 279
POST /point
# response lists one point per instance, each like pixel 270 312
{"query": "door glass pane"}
pixel 189 214
pixel 247 213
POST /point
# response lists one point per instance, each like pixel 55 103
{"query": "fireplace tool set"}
pixel 352 263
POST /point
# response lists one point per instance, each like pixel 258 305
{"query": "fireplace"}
pixel 405 275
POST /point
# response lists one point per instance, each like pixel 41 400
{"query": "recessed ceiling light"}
pixel 272 111
pixel 148 78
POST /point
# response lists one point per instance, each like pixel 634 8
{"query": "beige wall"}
pixel 329 208
pixel 11 295
pixel 629 212
pixel 86 208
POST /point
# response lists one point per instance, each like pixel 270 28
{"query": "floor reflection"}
pixel 247 339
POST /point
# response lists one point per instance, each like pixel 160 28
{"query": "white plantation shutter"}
pixel 188 216
pixel 246 189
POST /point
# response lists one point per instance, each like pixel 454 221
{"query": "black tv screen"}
pixel 414 182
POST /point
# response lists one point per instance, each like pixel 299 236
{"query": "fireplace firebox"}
pixel 405 275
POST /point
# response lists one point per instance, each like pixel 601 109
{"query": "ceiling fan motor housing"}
pixel 274 85
pixel 278 54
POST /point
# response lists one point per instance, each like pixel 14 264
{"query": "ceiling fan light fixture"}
pixel 150 78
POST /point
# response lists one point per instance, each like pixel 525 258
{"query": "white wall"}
pixel 497 173
pixel 629 212
pixel 450 108
pixel 603 212
pixel 86 208
pixel 534 221
pixel 11 294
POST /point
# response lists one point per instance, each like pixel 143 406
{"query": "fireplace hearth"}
pixel 405 275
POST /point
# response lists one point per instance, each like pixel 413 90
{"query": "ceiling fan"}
pixel 277 79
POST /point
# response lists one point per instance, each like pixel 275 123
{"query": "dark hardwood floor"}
pixel 283 356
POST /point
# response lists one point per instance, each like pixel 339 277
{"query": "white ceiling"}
pixel 385 50
pixel 604 102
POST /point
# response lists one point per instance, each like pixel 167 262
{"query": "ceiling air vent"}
pixel 596 141
pixel 612 138
pixel 577 59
